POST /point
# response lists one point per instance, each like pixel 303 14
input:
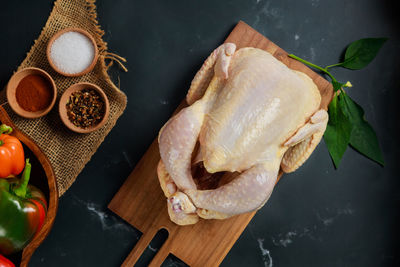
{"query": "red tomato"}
pixel 4 262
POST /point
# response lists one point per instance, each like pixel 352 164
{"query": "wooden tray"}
pixel 141 202
pixel 42 177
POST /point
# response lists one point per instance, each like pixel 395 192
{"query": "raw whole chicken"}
pixel 248 113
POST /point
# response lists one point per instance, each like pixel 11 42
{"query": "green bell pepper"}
pixel 23 210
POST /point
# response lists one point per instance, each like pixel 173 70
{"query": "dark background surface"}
pixel 317 216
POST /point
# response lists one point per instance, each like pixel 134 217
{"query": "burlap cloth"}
pixel 69 152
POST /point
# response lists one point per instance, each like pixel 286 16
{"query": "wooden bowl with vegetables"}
pixel 39 195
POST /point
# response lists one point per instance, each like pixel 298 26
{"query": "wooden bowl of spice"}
pixel 72 52
pixel 84 107
pixel 31 93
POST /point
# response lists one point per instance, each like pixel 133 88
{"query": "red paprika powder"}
pixel 34 93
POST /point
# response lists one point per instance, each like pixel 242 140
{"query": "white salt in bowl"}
pixel 72 52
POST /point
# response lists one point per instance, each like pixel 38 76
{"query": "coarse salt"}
pixel 72 52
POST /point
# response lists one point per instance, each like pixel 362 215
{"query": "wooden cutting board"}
pixel 141 202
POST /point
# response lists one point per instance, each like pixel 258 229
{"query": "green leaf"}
pixel 338 130
pixel 363 137
pixel 336 85
pixel 360 53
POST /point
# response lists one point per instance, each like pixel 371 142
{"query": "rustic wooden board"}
pixel 45 180
pixel 141 202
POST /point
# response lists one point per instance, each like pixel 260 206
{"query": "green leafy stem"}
pixel 347 124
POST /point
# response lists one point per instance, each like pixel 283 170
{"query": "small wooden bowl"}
pixel 85 33
pixel 42 177
pixel 12 87
pixel 63 109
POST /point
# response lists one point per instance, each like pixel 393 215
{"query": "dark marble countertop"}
pixel 317 216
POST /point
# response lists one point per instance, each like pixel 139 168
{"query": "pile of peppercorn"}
pixel 85 108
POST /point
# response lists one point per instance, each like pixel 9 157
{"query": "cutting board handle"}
pixel 141 246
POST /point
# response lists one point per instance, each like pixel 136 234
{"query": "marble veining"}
pixel 269 13
pixel 312 53
pixel 330 215
pixel 266 254
pixel 314 3
pixel 127 159
pixel 164 102
pixel 312 232
pixel 108 221
pixel 121 158
pixel 152 249
pixel 284 240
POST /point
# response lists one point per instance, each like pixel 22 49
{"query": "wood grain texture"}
pixel 141 202
pixel 42 177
